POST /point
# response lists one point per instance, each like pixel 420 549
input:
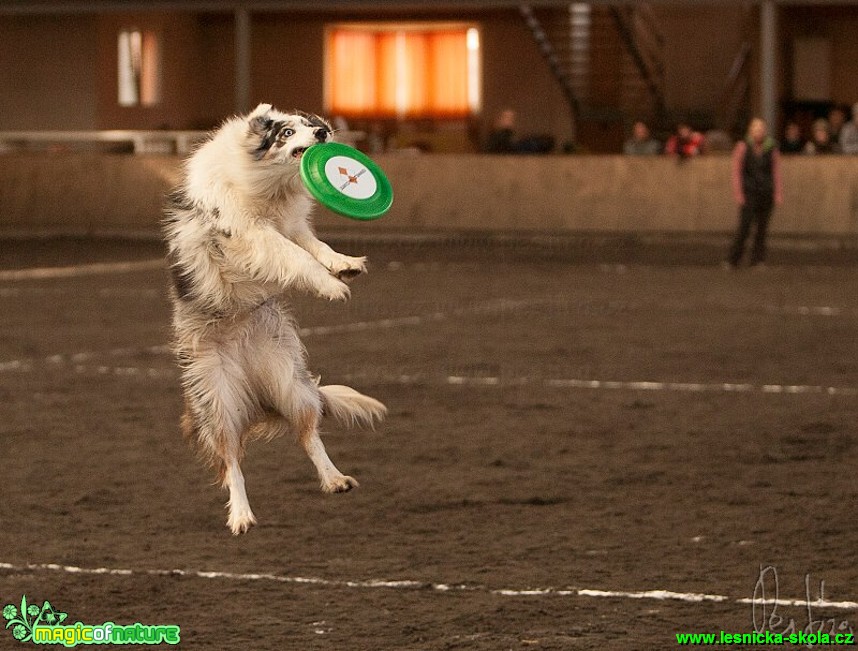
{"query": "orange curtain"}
pixel 448 78
pixel 398 73
pixel 415 65
pixel 386 45
pixel 352 75
pixel 150 74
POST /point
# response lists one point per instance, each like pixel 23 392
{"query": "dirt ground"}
pixel 572 425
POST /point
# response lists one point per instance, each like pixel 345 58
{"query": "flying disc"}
pixel 346 181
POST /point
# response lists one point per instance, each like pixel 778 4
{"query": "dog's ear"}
pixel 325 122
pixel 315 120
pixel 262 109
pixel 259 120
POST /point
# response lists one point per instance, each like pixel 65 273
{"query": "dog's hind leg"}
pixel 221 412
pixel 332 480
pixel 294 396
pixel 240 518
pixel 291 392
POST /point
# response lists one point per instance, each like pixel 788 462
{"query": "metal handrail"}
pixel 141 140
pixel 649 66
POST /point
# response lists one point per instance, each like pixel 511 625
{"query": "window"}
pixel 139 68
pixel 403 70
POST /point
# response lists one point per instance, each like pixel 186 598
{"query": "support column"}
pixel 768 54
pixel 242 59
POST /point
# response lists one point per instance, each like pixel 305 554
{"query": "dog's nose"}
pixel 321 135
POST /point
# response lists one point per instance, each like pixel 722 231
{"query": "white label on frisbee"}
pixel 350 177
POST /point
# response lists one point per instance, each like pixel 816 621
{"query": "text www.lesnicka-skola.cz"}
pixel 764 638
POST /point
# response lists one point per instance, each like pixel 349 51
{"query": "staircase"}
pixel 608 61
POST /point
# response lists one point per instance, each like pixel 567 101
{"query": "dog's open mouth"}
pixel 298 152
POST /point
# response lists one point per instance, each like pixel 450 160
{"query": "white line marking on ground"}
pixel 802 603
pixel 407 584
pixel 62 359
pixel 655 594
pixel 104 292
pixel 16 365
pixel 805 310
pixel 485 307
pixel 573 383
pixel 127 371
pixel 380 324
pixel 479 381
pixel 113 292
pixel 74 271
pixel 699 387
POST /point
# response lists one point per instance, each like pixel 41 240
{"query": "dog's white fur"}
pixel 239 236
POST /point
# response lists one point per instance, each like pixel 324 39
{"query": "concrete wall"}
pixel 87 192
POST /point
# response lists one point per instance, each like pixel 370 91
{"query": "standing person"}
pixel 756 188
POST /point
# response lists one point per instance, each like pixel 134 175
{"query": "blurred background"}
pixel 597 437
pixel 454 78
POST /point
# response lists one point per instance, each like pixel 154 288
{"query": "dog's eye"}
pixel 286 133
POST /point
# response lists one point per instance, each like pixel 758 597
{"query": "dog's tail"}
pixel 350 407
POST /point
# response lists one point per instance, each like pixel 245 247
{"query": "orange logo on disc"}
pixel 351 179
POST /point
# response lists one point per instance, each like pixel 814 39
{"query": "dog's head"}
pixel 282 138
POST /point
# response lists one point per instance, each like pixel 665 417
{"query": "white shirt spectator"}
pixel 849 134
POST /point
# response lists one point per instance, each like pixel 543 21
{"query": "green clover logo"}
pixel 30 616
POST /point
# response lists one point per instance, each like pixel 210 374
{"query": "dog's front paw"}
pixel 333 289
pixel 339 484
pixel 346 267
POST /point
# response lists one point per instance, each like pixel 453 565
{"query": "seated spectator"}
pixel 718 141
pixel 792 143
pixel 849 134
pixel 820 139
pixel 641 142
pixel 500 140
pixel 685 143
pixel 836 120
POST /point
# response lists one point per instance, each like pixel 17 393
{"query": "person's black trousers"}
pixel 751 215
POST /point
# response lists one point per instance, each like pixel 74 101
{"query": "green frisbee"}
pixel 346 181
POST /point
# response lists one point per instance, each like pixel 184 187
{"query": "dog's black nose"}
pixel 321 135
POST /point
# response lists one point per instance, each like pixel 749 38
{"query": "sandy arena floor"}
pixel 591 445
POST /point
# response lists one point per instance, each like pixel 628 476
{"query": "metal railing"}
pixel 644 42
pixel 137 141
pixel 735 97
pixel 141 142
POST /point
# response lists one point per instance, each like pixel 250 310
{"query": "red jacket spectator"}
pixel 685 143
